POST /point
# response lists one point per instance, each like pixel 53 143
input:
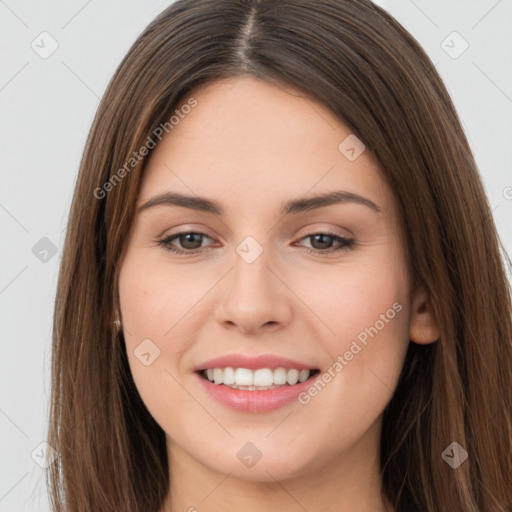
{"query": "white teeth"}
pixel 280 376
pixel 303 375
pixel 244 377
pixel 218 375
pixel 260 379
pixel 263 377
pixel 229 376
pixel 292 377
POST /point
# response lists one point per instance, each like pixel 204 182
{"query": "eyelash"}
pixel 346 243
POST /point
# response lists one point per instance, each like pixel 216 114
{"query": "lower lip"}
pixel 254 401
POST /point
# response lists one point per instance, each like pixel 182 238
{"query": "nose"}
pixel 253 297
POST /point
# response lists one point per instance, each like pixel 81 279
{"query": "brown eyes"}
pixel 191 242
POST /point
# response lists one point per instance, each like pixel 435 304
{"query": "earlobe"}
pixel 423 328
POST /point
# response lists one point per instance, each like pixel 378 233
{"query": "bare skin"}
pixel 251 146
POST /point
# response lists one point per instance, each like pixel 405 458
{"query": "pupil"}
pixel 322 240
pixel 188 239
pixel 194 238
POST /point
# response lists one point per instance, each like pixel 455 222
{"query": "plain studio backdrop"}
pixel 57 59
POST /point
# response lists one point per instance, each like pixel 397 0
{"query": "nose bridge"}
pixel 253 296
pixel 251 276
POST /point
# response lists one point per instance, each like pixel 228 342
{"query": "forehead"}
pixel 248 142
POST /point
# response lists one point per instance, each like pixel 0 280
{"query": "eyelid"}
pixel 344 242
pixel 200 229
pixel 186 228
pixel 343 232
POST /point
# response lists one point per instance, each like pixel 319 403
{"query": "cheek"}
pixel 364 312
pixel 152 301
pixel 356 300
pixel 150 307
pixel 369 314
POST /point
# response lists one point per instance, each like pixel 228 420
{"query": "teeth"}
pixel 260 379
pixel 243 377
pixel 229 376
pixel 292 377
pixel 218 376
pixel 263 377
pixel 303 375
pixel 280 376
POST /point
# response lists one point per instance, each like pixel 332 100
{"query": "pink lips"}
pixel 252 363
pixel 253 401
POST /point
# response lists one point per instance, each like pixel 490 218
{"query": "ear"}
pixel 423 327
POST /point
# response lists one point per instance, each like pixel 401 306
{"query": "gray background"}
pixel 47 106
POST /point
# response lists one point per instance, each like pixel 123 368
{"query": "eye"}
pixel 191 242
pixel 323 242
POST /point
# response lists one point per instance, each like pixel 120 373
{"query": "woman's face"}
pixel 271 280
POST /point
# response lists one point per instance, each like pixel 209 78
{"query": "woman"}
pixel 338 336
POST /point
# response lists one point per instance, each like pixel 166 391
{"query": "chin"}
pixel 260 462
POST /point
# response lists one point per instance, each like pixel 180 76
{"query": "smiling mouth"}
pixel 260 379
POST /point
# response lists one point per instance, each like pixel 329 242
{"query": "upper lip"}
pixel 253 363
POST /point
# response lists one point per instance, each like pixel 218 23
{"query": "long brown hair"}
pixel 369 71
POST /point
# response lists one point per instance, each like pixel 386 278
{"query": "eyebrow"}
pixel 291 207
